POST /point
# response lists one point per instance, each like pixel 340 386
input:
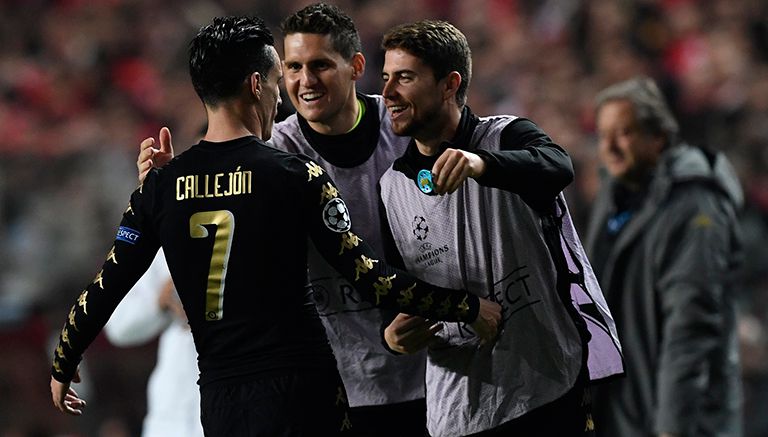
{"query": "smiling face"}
pixel 625 150
pixel 414 98
pixel 320 82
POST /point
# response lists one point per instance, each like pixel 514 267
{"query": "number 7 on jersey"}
pixel 222 244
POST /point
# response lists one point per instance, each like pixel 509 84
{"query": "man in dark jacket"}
pixel 663 242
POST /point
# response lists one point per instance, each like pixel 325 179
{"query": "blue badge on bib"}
pixel 424 180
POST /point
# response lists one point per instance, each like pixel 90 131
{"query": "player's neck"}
pixel 443 128
pixel 226 122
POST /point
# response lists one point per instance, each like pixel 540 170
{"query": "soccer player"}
pixel 474 203
pixel 233 216
pixel 349 135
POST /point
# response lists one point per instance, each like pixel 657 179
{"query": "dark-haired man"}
pixel 233 216
pixel 348 133
pixel 474 203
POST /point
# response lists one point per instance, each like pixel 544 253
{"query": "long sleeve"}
pixel 692 289
pixel 377 282
pixel 529 164
pixel 134 248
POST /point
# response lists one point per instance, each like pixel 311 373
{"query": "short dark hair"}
pixel 224 53
pixel 650 107
pixel 438 44
pixel 325 19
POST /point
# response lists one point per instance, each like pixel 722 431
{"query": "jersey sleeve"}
pixel 129 257
pixel 529 164
pixel 386 287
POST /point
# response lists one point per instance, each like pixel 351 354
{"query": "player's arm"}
pixel 528 163
pixel 377 282
pixel 132 252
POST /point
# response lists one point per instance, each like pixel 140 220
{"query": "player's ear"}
pixel 254 82
pixel 358 65
pixel 452 83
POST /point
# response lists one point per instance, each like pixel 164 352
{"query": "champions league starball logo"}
pixel 336 216
pixel 420 228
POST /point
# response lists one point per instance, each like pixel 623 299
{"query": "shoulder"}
pixel 286 127
pixel 286 135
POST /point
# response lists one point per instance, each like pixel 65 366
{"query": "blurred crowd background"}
pixel 82 82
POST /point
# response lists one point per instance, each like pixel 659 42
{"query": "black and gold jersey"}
pixel 234 220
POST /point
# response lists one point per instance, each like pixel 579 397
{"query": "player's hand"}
pixel 486 326
pixel 65 398
pixel 408 334
pixel 150 157
pixel 453 167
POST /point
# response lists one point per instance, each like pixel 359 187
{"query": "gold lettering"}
pixel 212 185
pixel 60 351
pixel 237 182
pixel 189 187
pixel 207 194
pixel 56 366
pixel 217 185
pixel 247 176
pixel 197 187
